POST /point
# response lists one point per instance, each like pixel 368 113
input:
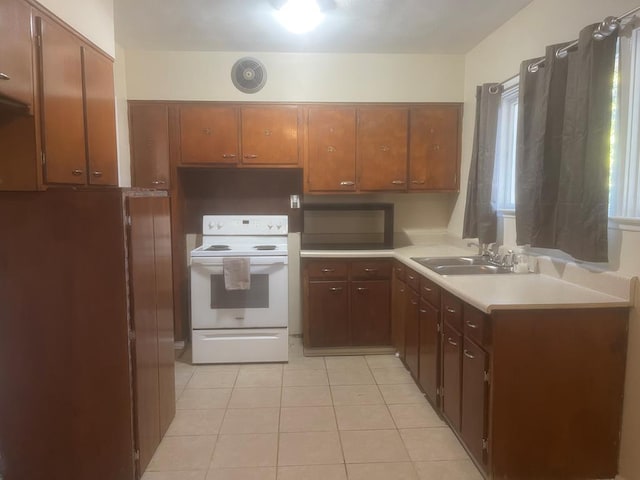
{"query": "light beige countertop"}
pixel 558 285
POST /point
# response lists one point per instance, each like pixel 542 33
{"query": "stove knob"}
pixel 278 227
pixel 218 226
pixel 270 226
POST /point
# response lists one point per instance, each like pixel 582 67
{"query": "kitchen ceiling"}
pixel 353 26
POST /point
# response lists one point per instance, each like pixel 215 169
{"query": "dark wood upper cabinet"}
pixel 434 139
pixel 62 105
pixel 270 135
pixel 16 71
pixel 382 148
pixel 100 114
pixel 209 135
pixel 149 140
pixel 331 163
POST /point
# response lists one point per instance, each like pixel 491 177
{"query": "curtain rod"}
pixel 606 28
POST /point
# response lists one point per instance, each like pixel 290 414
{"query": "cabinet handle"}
pixel 4 76
pixel 469 354
pixel 77 172
pixel 385 148
pixel 206 131
pixel 427 289
pixel 347 183
pixel 422 310
pixel 451 310
pixel 96 174
pixel 335 289
pixel 371 270
pixel 398 182
pixel 418 182
pixel 158 182
pixel 450 340
pixel 267 132
pixel 362 289
pixel 229 155
pixel 471 325
pixel 436 147
pixel 251 155
pixel 413 302
pixel 328 270
pixel 402 290
pixel 411 277
pixel 331 149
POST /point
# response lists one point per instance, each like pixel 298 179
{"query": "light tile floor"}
pixel 314 418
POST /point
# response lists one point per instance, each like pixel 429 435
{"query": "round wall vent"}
pixel 248 75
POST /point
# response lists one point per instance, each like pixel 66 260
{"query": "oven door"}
pixel 263 305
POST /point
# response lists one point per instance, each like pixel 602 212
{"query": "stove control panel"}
pixel 245 225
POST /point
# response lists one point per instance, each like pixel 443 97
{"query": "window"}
pixel 504 195
pixel 624 195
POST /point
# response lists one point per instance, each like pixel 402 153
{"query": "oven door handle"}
pixel 207 262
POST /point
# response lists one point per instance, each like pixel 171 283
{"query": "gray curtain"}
pixel 562 178
pixel 480 216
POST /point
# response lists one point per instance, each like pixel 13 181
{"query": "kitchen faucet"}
pixel 491 252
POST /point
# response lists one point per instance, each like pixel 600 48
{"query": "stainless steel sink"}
pixel 439 261
pixel 464 265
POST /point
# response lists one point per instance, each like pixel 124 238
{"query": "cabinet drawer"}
pixel 476 325
pixel 412 279
pixel 452 310
pixel 430 292
pixel 399 271
pixel 373 269
pixel 327 269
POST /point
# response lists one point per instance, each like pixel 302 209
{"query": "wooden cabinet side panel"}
pixel 100 118
pixel 270 135
pixel 557 385
pixel 331 163
pixel 164 312
pixel 62 108
pixel 382 149
pixel 149 138
pixel 143 307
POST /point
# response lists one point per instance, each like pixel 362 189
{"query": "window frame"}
pixel 503 194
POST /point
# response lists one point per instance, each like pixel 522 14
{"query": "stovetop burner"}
pixel 265 247
pixel 218 248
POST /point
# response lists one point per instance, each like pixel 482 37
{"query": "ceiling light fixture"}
pixel 299 16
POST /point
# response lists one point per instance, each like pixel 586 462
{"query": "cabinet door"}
pixel 209 134
pixel 475 394
pixel 62 115
pixel 16 74
pixel 434 148
pixel 270 136
pixel 412 333
pixel 370 308
pixel 398 314
pixel 429 351
pixel 382 148
pixel 100 113
pixel 331 166
pixel 328 313
pixel 149 132
pixel 451 374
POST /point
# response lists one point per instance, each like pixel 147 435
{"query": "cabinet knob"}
pixel 328 270
pixel 385 148
pixel 335 289
pixel 436 147
pixel 267 132
pixel 251 155
pixel 397 182
pixel 229 155
pixel 4 76
pixel 158 182
pixel 331 149
pixel 206 131
pixel 77 172
pixel 96 173
pixel 362 289
pixel 347 183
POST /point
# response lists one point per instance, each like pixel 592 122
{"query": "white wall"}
pixel 297 77
pixel 497 58
pixel 92 18
pixel 122 119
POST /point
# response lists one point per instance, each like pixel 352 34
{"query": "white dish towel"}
pixel 237 274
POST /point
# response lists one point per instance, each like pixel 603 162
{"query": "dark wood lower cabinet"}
pixel 451 374
pixel 66 406
pixel 412 332
pixel 328 304
pixel 475 397
pixel 370 302
pixel 429 351
pixel 399 312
